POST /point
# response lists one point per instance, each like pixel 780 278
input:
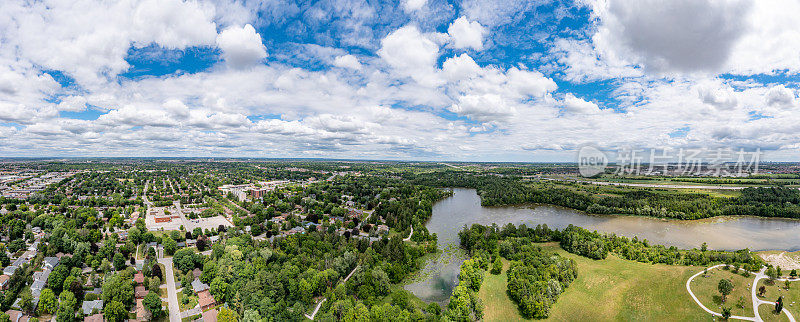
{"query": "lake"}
pixel 440 274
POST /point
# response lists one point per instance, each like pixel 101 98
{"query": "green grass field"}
pixel 767 313
pixel 610 289
pixel 791 297
pixel 497 305
pixel 705 288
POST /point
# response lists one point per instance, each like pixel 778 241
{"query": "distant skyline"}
pixel 428 80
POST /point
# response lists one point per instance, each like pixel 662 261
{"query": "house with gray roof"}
pixel 198 286
pixel 89 306
pixel 50 262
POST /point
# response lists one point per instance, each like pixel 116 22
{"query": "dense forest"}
pixel 671 203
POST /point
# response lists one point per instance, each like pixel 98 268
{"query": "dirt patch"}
pixel 782 259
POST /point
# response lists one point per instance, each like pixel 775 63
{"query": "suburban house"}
pixel 89 307
pixel 206 300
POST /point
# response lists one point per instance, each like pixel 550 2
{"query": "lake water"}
pixel 464 208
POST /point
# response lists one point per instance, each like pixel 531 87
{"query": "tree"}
pixel 66 309
pixel 26 301
pixel 779 305
pixel 105 266
pixel 152 302
pixel 170 245
pixel 793 273
pixel 156 271
pixel 305 289
pixel 47 302
pixel 56 280
pixel 724 287
pixel 219 289
pixel 726 313
pixel 154 283
pixel 772 274
pixel 741 302
pixel 226 315
pixel 4 260
pixel 115 312
pixel 119 262
pixel 118 288
pixel 788 284
pixel 762 290
pixel 201 243
pixel 434 308
pixel 251 316
pixel 497 267
pixel 135 235
pixel 67 301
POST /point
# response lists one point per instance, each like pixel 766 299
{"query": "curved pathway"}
pixel 755 300
pixel 409 235
pixel 316 309
pixel 689 289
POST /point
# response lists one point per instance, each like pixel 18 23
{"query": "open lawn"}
pixel 767 313
pixel 705 288
pixel 497 305
pixel 609 289
pixel 791 297
pixel 618 289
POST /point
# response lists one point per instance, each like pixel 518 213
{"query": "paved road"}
pixel 172 294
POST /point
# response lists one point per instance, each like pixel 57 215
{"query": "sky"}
pixel 460 80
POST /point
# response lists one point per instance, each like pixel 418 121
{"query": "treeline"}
pixel 763 202
pixel 465 305
pixel 591 244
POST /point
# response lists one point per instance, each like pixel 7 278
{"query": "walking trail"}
pixel 316 309
pixel 756 301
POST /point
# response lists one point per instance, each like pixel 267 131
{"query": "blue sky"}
pixel 410 79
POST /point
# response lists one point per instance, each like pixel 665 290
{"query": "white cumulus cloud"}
pixel 241 46
pixel 466 34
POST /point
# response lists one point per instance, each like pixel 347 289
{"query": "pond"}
pixel 440 274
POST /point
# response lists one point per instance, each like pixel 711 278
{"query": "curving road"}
pixel 756 301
